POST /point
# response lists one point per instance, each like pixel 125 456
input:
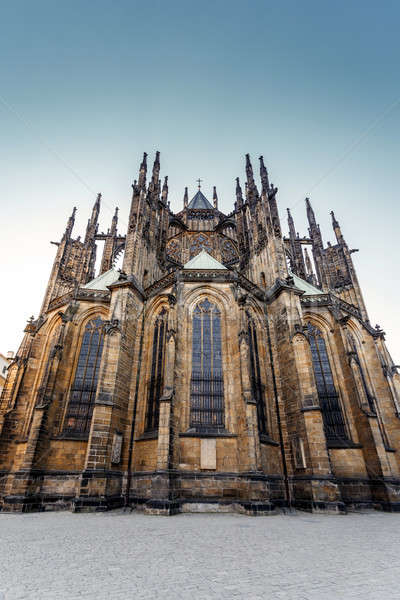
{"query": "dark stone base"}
pixel 96 503
pixel 162 507
pixel 36 503
pixel 318 506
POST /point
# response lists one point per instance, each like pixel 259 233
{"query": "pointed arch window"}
pixel 207 383
pixel 257 386
pixel 83 390
pixel 155 384
pixel 332 415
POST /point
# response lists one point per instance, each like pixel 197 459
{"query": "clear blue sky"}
pixel 97 83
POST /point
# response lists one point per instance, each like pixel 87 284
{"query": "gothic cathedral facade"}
pixel 224 367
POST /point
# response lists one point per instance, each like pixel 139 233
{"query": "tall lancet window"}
pixel 83 391
pixel 155 383
pixel 332 415
pixel 257 386
pixel 207 384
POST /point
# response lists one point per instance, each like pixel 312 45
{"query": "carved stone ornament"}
pixel 69 312
pixel 242 300
pixel 243 336
pixel 111 327
pixel 171 299
pixel 171 333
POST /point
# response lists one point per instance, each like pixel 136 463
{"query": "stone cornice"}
pixel 83 294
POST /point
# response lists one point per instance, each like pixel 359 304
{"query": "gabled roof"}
pixel 200 201
pixel 204 261
pixel 102 281
pixel 307 288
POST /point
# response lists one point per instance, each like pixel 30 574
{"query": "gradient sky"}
pixel 86 87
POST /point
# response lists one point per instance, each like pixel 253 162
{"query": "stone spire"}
pixel 215 198
pixel 297 258
pixel 164 194
pixel 264 177
pixel 251 185
pixel 142 173
pixel 292 230
pixel 314 230
pixel 185 198
pixel 114 222
pixel 336 229
pixel 156 170
pixel 92 225
pixel 308 262
pixel 239 193
pixel 110 244
pixel 70 225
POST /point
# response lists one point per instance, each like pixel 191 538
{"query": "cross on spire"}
pixel 199 182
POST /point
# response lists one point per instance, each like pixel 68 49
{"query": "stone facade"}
pixel 220 369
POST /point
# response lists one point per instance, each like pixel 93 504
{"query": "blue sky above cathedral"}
pixel 86 88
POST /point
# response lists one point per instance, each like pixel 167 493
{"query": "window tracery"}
pixel 207 384
pixel 174 251
pixel 198 243
pixel 228 252
pixel 332 415
pixel 83 390
pixel 155 384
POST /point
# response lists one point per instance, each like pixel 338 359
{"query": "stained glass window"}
pixel 174 251
pixel 257 387
pixel 198 243
pixel 155 384
pixel 334 424
pixel 83 391
pixel 228 252
pixel 207 384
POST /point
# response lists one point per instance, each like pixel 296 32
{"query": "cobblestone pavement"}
pixel 199 556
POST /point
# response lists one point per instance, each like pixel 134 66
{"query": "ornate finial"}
pixel 156 170
pixel 239 193
pixel 334 221
pixel 164 194
pixel 199 183
pixel 215 197
pixel 142 172
pixel 185 198
pixel 264 176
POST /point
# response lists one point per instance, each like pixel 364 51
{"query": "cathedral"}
pixel 225 367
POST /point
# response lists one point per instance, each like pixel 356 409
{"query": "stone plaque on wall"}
pixel 208 454
pixel 116 448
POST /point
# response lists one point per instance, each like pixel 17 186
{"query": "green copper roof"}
pixel 307 288
pixel 204 261
pixel 200 201
pixel 102 281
